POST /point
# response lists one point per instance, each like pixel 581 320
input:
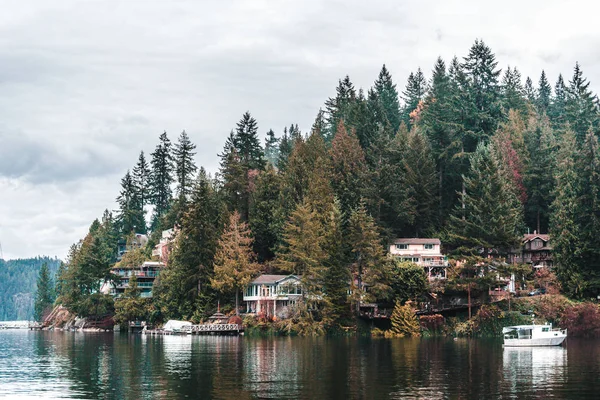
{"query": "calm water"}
pixel 114 366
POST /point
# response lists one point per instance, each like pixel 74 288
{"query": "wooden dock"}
pixel 201 329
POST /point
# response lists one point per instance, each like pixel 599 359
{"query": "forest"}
pixel 473 154
pixel 18 286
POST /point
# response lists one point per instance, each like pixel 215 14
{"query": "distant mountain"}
pixel 18 282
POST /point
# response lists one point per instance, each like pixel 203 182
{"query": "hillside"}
pixel 18 285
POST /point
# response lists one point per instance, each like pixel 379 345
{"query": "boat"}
pixel 533 335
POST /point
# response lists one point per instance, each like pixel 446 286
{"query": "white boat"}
pixel 533 335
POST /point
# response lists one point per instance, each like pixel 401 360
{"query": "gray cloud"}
pixel 85 86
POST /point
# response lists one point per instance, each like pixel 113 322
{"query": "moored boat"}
pixel 533 335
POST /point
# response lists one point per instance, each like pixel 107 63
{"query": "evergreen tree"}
pixel 385 90
pixel 272 148
pixel 141 178
pixel 404 322
pixel 563 220
pixel 367 258
pixel 512 90
pixel 580 107
pixel 247 143
pixel 337 108
pixel 556 111
pixel 480 69
pixel 490 217
pixel 544 93
pixel 349 170
pixel 187 278
pixel 421 181
pixel 267 217
pixel 235 262
pixel 529 91
pixel 416 88
pixel 161 178
pixel 131 209
pixel 286 145
pixel 44 296
pixel 131 306
pixel 539 178
pixel 185 166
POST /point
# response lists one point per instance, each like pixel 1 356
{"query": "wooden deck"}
pixel 201 329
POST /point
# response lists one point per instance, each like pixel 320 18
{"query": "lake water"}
pixel 118 366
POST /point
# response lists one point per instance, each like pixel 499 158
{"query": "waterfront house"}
pixel 424 252
pixel 273 295
pixel 535 250
pixel 146 275
pixel 124 245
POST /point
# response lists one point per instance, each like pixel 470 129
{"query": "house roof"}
pixel 530 237
pixel 416 241
pixel 263 279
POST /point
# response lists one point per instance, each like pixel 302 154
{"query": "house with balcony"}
pixel 273 295
pixel 424 252
pixel 145 274
pixel 535 250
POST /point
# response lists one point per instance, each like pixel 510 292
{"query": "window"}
pixel 428 247
pixel 401 246
pixel 545 329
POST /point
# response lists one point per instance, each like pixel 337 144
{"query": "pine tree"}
pixel 286 145
pixel 185 166
pixel 349 170
pixel 161 178
pixel 544 94
pixel 491 215
pixel 235 263
pixel 539 178
pixel 187 277
pixel 404 321
pixel 580 107
pixel 480 69
pixel 557 108
pixel 337 108
pixel 267 217
pixel 367 258
pixel 421 180
pixel 272 148
pixel 131 211
pixel 563 219
pixel 512 90
pixel 529 91
pixel 386 92
pixel 44 296
pixel 141 178
pixel 416 88
pixel 247 143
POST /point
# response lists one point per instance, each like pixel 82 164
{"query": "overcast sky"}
pixel 86 85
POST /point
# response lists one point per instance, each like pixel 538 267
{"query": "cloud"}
pixel 86 86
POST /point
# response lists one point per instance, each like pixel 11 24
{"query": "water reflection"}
pixel 92 366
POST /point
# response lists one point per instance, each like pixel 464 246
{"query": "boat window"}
pixel 546 329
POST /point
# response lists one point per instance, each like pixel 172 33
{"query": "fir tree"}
pixel 286 145
pixel 44 296
pixel 480 68
pixel 367 262
pixel 580 107
pixel 544 93
pixel 131 211
pixel 337 108
pixel 490 217
pixel 385 90
pixel 161 178
pixel 185 166
pixel 404 322
pixel 558 105
pixel 512 90
pixel 235 263
pixel 529 91
pixel 272 148
pixel 416 88
pixel 141 178
pixel 247 143
pixel 349 170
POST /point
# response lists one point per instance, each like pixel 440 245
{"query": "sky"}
pixel 86 85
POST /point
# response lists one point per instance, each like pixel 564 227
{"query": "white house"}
pixel 162 249
pixel 423 252
pixel 273 295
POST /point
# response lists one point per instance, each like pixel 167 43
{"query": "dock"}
pixel 200 329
